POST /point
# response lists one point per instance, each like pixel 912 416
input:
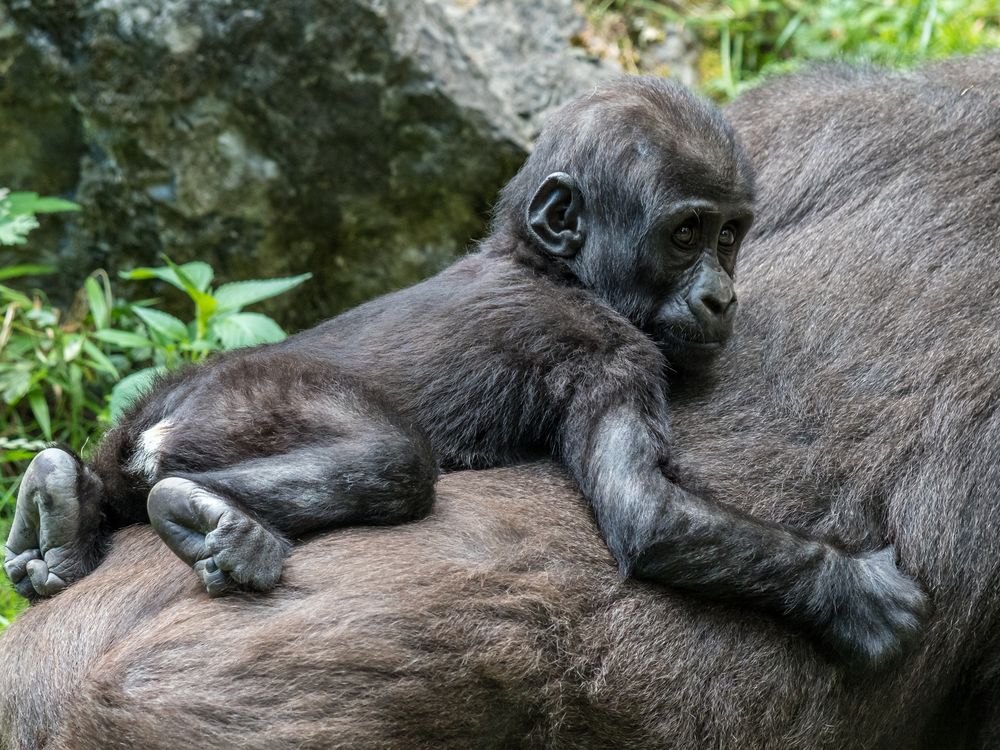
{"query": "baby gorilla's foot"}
pixel 875 610
pixel 223 544
pixel 45 551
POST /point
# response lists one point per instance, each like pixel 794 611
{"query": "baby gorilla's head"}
pixel 641 190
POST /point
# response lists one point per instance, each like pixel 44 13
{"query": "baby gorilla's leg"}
pixel 232 524
pixel 53 539
pixel 240 466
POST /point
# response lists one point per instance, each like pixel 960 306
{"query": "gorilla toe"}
pixel 44 550
pixel 223 545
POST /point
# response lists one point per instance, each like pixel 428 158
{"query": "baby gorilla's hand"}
pixel 870 611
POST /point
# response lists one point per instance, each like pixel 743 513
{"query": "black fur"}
pixel 611 260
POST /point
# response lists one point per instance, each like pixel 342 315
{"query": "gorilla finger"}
pixel 16 566
pixel 45 582
pixel 215 581
pixel 23 532
pixel 25 588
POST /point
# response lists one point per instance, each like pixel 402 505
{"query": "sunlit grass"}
pixel 745 40
pixel 10 603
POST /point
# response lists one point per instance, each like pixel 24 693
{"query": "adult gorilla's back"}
pixel 860 400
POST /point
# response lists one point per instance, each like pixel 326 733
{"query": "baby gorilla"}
pixel 610 260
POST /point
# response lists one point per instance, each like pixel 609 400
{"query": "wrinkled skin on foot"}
pixel 52 541
pixel 225 546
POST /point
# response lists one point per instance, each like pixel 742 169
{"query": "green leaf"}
pixel 99 359
pixel 204 303
pixel 19 455
pixel 14 383
pixel 131 387
pixel 72 344
pixel 13 272
pixel 54 206
pixel 192 278
pixel 21 204
pixel 201 346
pixel 12 295
pixel 144 273
pixel 42 317
pixel 99 307
pixel 123 339
pixel 14 229
pixel 40 408
pixel 163 323
pixel 198 275
pixel 239 294
pixel 246 329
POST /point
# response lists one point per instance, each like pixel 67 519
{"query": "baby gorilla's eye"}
pixel 727 237
pixel 684 234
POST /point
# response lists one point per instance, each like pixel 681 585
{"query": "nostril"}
pixel 716 304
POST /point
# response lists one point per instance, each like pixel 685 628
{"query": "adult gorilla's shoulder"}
pixel 859 401
pixel 835 136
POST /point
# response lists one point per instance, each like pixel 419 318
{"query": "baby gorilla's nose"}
pixel 712 301
pixel 717 301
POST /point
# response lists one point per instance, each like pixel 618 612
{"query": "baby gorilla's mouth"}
pixel 687 352
pixel 687 341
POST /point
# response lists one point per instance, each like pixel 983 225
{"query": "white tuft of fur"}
pixel 146 459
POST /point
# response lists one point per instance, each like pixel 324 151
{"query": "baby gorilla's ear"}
pixel 555 215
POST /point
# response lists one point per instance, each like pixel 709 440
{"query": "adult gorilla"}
pixel 860 401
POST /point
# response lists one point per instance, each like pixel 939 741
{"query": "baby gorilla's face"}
pixel 647 198
pixel 689 266
pixel 675 281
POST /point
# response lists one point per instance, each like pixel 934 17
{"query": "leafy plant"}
pixel 66 374
pixel 18 212
pixel 17 383
pixel 54 366
pixel 219 322
pixel 46 358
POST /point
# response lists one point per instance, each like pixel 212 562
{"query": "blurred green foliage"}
pixel 747 39
pixel 66 375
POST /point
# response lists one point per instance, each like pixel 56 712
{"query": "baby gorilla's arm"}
pixel 860 606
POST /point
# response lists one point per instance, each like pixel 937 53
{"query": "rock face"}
pixel 360 139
